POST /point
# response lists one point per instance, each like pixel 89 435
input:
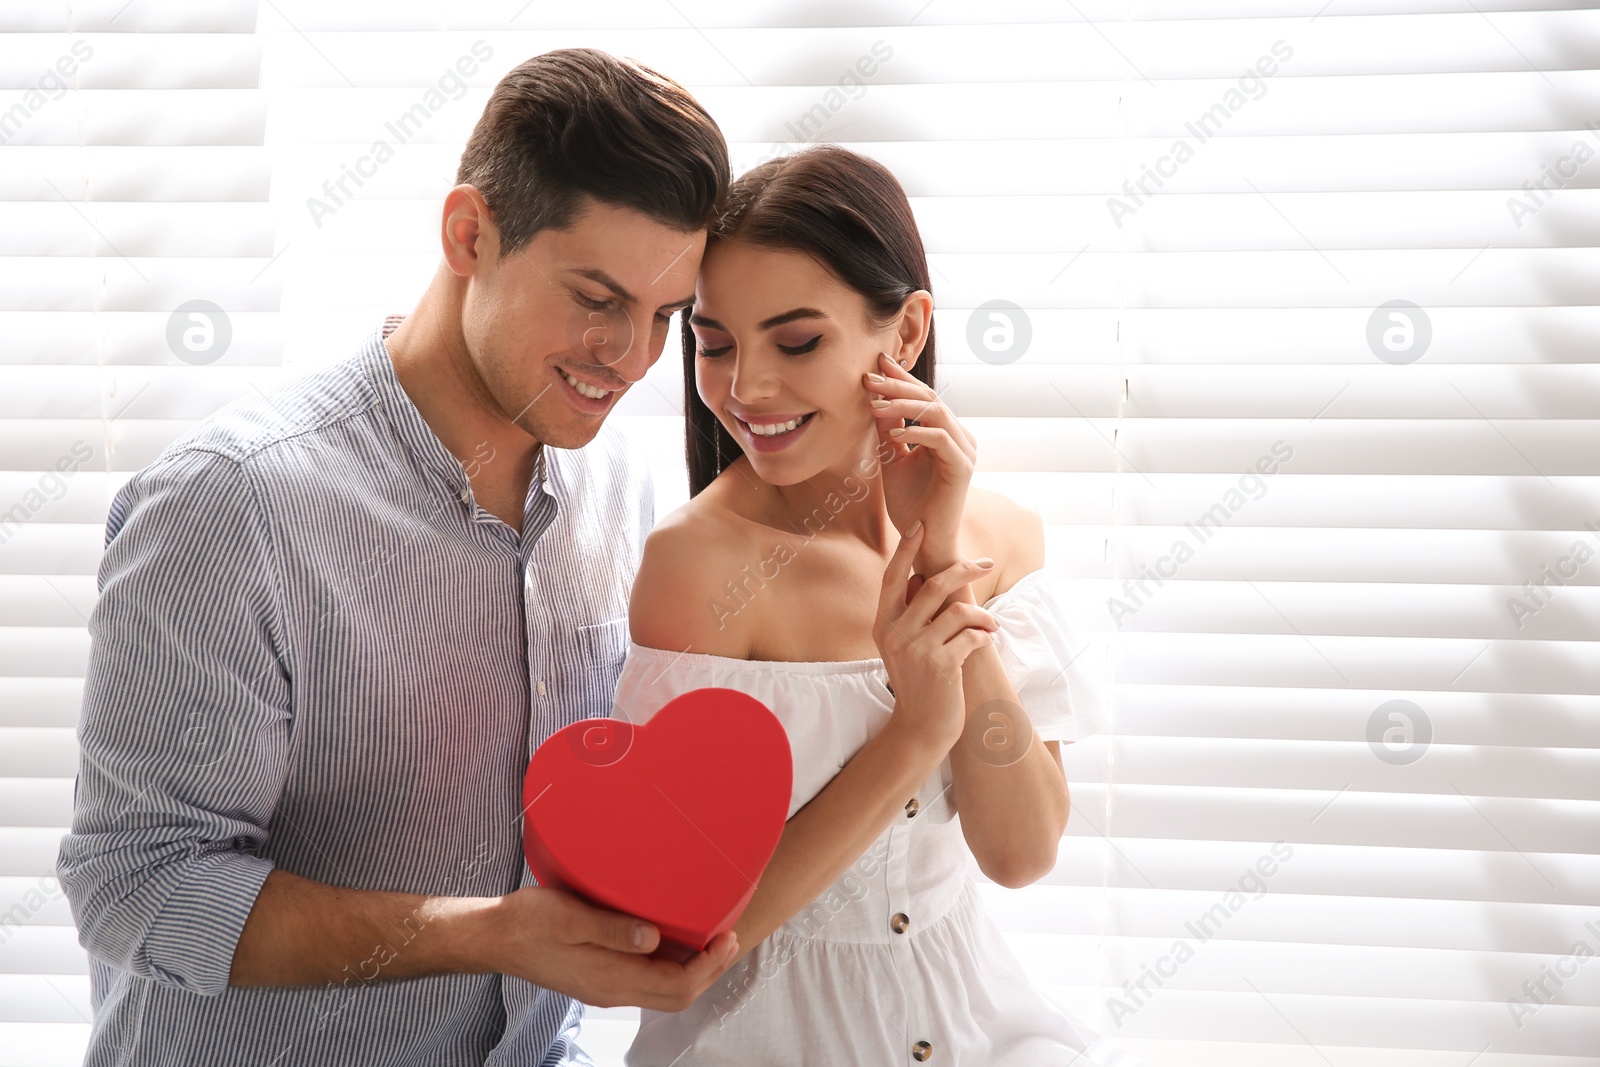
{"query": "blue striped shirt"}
pixel 312 649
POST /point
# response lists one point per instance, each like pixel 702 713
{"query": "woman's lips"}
pixel 773 442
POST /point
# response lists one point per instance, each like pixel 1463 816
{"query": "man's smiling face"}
pixel 590 303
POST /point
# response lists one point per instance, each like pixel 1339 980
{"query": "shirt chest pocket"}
pixel 601 646
pixel 586 661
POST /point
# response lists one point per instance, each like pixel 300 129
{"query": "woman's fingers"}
pixel 968 641
pixel 901 396
pixel 923 410
pixel 892 381
pixel 898 449
pixel 943 446
pixel 938 588
pixel 949 623
pixel 887 388
pixel 924 413
pixel 892 598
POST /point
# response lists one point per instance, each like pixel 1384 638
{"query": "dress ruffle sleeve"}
pixel 1059 676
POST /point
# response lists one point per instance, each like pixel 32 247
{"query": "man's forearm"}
pixel 305 933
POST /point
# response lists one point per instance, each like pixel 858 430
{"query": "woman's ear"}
pixel 916 318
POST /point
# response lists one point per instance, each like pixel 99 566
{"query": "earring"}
pixel 902 363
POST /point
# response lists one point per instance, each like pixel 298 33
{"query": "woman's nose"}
pixel 753 378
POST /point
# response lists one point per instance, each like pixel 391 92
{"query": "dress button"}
pixel 911 808
pixel 541 687
pixel 900 923
pixel 922 1052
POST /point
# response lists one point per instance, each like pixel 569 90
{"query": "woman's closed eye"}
pixel 800 348
pixel 708 348
pixel 711 349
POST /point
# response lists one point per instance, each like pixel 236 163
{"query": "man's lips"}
pixel 591 383
pixel 591 406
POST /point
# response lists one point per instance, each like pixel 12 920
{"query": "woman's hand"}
pixel 924 640
pixel 930 482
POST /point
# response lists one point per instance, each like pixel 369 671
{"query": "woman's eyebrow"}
pixel 791 316
pixel 764 324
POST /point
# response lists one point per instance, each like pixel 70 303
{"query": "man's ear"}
pixel 466 235
pixel 916 319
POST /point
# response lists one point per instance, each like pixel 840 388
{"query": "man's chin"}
pixel 566 436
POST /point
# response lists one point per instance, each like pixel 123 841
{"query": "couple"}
pixel 334 623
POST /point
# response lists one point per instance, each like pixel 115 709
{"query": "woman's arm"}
pixel 1013 810
pixel 1012 814
pixel 837 826
pixel 828 834
pixel 1013 807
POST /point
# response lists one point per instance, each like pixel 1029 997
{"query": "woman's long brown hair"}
pixel 849 214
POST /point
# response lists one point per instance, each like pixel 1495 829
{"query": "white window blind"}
pixel 1194 215
pixel 134 179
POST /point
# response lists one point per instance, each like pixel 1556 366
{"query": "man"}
pixel 333 625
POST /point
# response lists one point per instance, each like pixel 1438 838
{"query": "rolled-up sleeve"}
pixel 185 725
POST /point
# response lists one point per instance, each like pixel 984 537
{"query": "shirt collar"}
pixel 418 437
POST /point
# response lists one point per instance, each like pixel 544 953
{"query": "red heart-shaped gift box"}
pixel 672 821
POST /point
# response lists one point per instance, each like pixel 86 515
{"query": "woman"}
pixel 819 454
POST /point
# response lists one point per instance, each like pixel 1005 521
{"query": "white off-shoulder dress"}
pixel 897 962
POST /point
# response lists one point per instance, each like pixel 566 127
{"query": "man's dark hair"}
pixel 579 122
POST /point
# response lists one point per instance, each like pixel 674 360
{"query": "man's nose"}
pixel 647 342
pixel 611 340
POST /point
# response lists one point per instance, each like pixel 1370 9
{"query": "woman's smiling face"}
pixel 777 338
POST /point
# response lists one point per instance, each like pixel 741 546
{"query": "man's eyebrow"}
pixel 597 275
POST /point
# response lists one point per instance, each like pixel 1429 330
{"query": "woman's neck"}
pixel 845 500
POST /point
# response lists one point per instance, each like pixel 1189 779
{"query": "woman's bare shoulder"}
pixel 1012 534
pixel 687 558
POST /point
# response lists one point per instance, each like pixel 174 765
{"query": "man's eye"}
pixel 590 302
pixel 800 350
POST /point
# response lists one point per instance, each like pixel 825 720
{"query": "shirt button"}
pixel 466 496
pixel 922 1052
pixel 911 808
pixel 540 687
pixel 900 923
